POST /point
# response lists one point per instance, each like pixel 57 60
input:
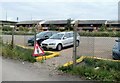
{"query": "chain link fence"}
pixel 96 46
pixel 89 46
pixel 86 47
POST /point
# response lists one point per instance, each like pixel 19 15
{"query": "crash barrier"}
pixel 83 57
pixel 39 58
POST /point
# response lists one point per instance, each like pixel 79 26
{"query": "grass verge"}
pixel 18 53
pixel 95 69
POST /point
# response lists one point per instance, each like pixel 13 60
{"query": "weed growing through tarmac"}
pixel 94 69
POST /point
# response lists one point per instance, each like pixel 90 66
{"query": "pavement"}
pixel 13 70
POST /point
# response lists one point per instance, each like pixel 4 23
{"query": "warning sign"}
pixel 38 50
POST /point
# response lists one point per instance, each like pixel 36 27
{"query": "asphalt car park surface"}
pixel 13 70
pixel 98 46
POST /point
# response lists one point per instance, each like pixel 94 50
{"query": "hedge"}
pixel 100 34
pixel 91 34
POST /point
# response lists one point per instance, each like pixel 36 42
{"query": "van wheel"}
pixel 59 47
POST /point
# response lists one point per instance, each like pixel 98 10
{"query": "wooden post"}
pixel 74 42
pixel 12 42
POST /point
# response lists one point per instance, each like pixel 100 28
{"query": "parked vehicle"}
pixel 60 40
pixel 116 50
pixel 41 37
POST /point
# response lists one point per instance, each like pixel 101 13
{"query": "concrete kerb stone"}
pixel 77 61
pixel 53 54
pixel 83 57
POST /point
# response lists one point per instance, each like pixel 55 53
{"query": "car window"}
pixel 49 34
pixel 67 35
pixel 77 34
pixel 71 34
pixel 40 35
pixel 54 33
pixel 57 36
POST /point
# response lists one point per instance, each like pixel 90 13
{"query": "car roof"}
pixel 49 31
pixel 65 32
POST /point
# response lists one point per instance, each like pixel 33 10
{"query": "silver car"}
pixel 60 40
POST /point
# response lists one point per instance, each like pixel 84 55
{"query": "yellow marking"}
pixel 83 57
pixel 54 54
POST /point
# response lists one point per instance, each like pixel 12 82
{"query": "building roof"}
pixel 65 22
pixel 7 22
pixel 56 22
pixel 29 22
pixel 113 22
pixel 92 21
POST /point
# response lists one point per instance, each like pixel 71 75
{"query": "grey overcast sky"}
pixel 58 9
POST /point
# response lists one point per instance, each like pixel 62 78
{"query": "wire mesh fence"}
pixel 89 46
pixel 96 46
pixel 18 39
pixel 86 47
